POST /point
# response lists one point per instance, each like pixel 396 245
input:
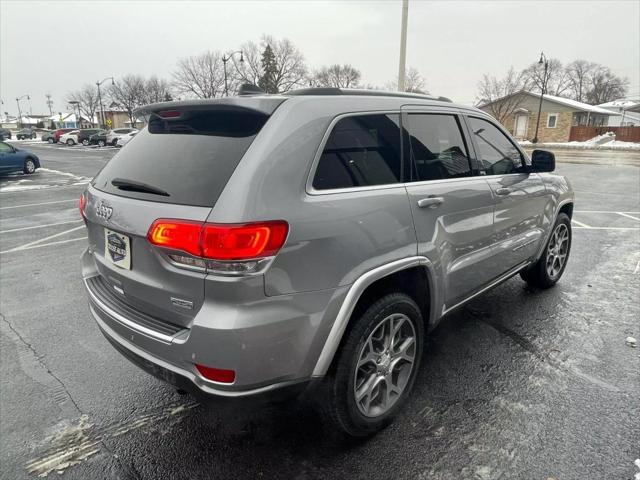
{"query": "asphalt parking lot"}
pixel 519 384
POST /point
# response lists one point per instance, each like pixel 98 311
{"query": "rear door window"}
pixel 189 159
pixel 437 148
pixel 361 150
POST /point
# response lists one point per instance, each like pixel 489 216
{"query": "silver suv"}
pixel 280 243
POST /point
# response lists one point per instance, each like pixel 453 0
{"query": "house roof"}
pixel 618 104
pixel 573 104
pixel 584 107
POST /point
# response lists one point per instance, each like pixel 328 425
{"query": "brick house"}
pixel 557 117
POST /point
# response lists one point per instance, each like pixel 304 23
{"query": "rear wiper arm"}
pixel 133 186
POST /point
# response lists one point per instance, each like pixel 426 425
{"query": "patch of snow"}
pixel 631 342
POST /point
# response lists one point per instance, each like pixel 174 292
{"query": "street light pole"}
pixel 225 59
pixel 403 46
pixel 543 61
pixel 20 111
pixel 100 97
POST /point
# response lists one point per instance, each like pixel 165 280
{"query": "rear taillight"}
pixel 82 203
pixel 229 249
pixel 216 374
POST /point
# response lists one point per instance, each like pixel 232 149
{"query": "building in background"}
pixel 628 116
pixel 558 116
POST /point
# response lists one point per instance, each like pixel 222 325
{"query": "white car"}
pixel 114 135
pixel 123 140
pixel 69 138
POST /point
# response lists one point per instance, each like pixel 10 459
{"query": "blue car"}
pixel 15 160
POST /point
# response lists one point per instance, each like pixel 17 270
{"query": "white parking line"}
pixel 38 226
pixel 43 245
pixel 580 224
pixel 608 228
pixel 37 204
pixel 603 211
pixel 628 216
pixel 36 242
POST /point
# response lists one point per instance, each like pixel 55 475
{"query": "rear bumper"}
pixel 272 344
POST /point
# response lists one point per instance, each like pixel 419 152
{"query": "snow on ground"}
pixel 605 141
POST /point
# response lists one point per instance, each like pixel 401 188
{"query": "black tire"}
pixel 50 140
pixel 538 274
pixel 70 142
pixel 29 166
pixel 341 415
pixel 101 143
pixel 114 142
pixel 85 142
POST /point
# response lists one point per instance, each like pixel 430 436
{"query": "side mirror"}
pixel 543 161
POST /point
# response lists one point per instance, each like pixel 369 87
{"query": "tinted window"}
pixel 361 150
pixel 437 147
pixel 190 161
pixel 498 155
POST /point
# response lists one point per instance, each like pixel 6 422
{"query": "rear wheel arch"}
pixel 412 276
pixel 567 208
pixel 413 281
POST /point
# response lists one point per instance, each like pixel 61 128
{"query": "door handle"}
pixel 503 191
pixel 430 202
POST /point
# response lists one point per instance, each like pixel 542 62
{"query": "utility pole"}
pixel 403 46
pixel 225 59
pixel 20 111
pixel 543 61
pixel 100 98
pixel 49 104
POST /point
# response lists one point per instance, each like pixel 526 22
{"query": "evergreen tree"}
pixel 267 81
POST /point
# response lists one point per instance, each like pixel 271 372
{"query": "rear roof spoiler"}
pixel 265 104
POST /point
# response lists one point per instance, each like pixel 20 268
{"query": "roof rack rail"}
pixel 361 92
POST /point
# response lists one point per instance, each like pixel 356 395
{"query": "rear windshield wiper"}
pixel 133 186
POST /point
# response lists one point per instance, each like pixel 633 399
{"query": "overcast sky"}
pixel 55 47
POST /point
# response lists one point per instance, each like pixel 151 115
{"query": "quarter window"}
pixel 437 147
pixel 552 120
pixel 498 155
pixel 361 150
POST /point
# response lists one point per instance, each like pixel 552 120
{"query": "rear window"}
pixel 191 158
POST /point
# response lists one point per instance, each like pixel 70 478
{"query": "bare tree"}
pixel 556 78
pixel 501 96
pixel 414 82
pixel 87 98
pixel 338 76
pixel 128 93
pixel 605 86
pixel 289 66
pixel 579 74
pixel 200 76
pixel 156 90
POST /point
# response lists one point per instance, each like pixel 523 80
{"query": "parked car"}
pixel 99 139
pixel 25 133
pixel 271 244
pixel 5 134
pixel 61 131
pixel 85 134
pixel 115 134
pixel 70 138
pixel 48 136
pixel 13 159
pixel 124 139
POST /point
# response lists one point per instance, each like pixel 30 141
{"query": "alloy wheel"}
pixel 30 166
pixel 557 250
pixel 384 365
